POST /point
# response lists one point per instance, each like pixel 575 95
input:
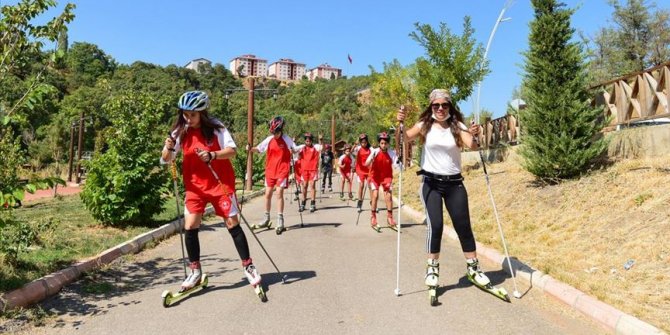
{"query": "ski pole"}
pixel 495 211
pixel 402 167
pixel 283 277
pixel 173 172
pixel 365 185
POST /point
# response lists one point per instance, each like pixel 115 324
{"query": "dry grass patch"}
pixel 582 231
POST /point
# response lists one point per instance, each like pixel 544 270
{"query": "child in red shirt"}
pixel 381 162
pixel 277 167
pixel 361 151
pixel 205 141
pixel 344 167
pixel 309 169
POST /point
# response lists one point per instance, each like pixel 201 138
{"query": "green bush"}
pixel 124 184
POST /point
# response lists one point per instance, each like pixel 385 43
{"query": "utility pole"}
pixel 250 134
pixel 80 145
pixel 70 157
pixel 332 132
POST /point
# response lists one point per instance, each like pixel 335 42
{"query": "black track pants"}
pixel 455 197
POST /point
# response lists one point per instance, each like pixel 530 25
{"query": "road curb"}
pixel 49 285
pixel 613 319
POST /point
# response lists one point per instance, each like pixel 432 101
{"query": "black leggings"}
pixel 455 197
pixel 327 173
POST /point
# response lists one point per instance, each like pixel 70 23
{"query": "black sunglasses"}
pixel 444 105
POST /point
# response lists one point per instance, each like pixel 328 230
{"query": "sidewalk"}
pixel 61 190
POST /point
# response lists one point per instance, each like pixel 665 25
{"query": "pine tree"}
pixel 560 128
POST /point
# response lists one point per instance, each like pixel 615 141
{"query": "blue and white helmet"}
pixel 194 101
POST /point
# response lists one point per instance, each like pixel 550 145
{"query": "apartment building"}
pixel 249 65
pixel 286 69
pixel 324 71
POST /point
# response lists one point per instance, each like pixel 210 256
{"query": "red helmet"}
pixel 383 136
pixel 347 147
pixel 276 124
pixel 309 135
pixel 327 146
pixel 362 137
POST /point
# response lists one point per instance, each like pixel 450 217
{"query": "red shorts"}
pixel 296 170
pixel 272 182
pixel 360 177
pixel 385 184
pixel 224 205
pixel 309 175
pixel 346 176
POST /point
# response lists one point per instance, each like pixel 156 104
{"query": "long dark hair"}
pixel 207 125
pixel 455 116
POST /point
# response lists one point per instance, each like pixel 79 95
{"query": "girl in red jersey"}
pixel 344 167
pixel 205 140
pixel 381 162
pixel 361 151
pixel 309 170
pixel 277 167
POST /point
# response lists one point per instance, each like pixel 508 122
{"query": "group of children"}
pixel 373 168
pixel 208 147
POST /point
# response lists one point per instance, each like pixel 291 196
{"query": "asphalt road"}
pixel 341 280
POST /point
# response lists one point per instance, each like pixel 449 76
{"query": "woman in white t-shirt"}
pixel 441 130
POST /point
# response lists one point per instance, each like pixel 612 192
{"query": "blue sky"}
pixel 313 32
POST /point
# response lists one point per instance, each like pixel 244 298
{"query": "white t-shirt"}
pixel 440 153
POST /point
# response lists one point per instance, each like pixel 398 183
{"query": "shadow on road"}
pixel 91 294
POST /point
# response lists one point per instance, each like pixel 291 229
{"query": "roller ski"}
pixel 432 276
pixel 280 225
pixel 477 277
pixel 312 206
pixel 255 280
pixel 301 206
pixel 342 198
pixel 266 224
pixel 373 223
pixel 391 222
pixel 359 205
pixel 195 282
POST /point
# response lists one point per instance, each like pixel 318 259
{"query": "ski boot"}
pixel 301 207
pixel 297 195
pixel 432 276
pixel 255 280
pixel 342 196
pixel 312 206
pixel 266 223
pixel 330 189
pixel 373 222
pixel 390 221
pixel 195 281
pixel 359 205
pixel 351 196
pixel 477 277
pixel 280 225
pixel 323 189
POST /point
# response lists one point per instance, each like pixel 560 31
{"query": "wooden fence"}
pixel 638 96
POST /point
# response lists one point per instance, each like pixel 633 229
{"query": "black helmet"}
pixel 383 136
pixel 276 124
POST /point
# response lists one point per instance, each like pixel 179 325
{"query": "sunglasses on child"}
pixel 444 105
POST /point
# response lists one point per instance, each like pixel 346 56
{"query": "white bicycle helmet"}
pixel 194 101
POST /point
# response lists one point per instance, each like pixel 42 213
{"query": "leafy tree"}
pixel 561 127
pixel 124 184
pixel 86 63
pixel 640 38
pixel 452 62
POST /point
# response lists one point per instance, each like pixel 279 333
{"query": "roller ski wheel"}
pixel 260 292
pixel 393 227
pixel 376 228
pixel 279 230
pixel 432 295
pixel 170 298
